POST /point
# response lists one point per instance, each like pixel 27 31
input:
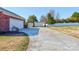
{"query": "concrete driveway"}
pixel 45 39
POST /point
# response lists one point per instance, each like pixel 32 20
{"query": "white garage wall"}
pixel 17 23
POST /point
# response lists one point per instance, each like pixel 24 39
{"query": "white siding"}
pixel 39 24
pixel 30 24
pixel 17 23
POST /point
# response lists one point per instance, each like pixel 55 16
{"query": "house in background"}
pixel 37 24
pixel 10 21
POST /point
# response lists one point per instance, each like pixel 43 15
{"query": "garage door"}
pixel 15 23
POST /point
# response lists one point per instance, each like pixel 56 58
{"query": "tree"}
pixel 32 19
pixel 52 12
pixel 26 24
pixel 57 18
pixel 74 17
pixel 43 19
pixel 75 14
pixel 50 17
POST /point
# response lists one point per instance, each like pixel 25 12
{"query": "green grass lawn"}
pixel 69 30
pixel 14 43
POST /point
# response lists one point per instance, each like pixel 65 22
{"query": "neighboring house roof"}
pixel 11 14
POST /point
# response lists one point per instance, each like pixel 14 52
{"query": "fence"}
pixel 64 24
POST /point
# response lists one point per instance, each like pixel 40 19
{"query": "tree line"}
pixel 52 18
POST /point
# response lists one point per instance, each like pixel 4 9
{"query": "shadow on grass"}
pixel 23 32
pixel 13 34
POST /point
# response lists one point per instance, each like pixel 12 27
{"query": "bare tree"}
pixel 52 12
pixel 57 17
pixel 43 19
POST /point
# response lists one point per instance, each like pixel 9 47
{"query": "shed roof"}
pixel 9 12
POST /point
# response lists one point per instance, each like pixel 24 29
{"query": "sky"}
pixel 64 12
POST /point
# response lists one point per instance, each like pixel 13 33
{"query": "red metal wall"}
pixel 4 22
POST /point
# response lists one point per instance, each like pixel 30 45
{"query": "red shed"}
pixel 8 20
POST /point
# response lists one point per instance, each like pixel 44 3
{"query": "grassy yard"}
pixel 13 43
pixel 70 30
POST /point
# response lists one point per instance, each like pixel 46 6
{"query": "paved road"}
pixel 45 39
